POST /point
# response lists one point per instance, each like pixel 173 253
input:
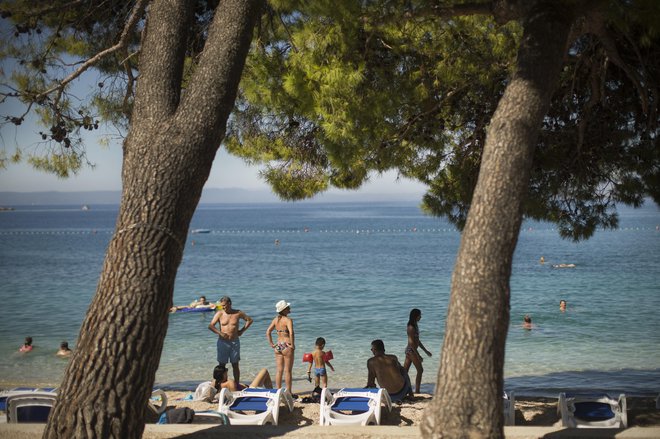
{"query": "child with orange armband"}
pixel 319 360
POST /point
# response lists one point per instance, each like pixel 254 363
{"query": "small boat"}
pixel 84 207
pixel 200 231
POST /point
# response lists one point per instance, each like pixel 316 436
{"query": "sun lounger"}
pixel 34 403
pixel 158 402
pixel 509 409
pixel 253 406
pixel 20 391
pixel 30 407
pixel 210 417
pixel 353 406
pixel 592 410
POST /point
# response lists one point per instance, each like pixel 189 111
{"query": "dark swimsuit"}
pixel 410 349
pixel 407 388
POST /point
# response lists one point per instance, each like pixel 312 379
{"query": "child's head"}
pixel 28 341
pixel 527 319
pixel 320 342
pixel 64 345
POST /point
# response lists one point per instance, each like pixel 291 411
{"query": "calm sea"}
pixel 352 273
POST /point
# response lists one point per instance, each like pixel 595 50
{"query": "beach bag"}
pixel 182 415
pixel 205 392
pixel 315 397
pixel 316 394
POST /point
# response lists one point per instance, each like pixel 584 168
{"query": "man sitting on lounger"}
pixel 388 371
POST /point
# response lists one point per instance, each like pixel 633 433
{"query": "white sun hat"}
pixel 282 305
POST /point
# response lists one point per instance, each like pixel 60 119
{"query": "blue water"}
pixel 352 273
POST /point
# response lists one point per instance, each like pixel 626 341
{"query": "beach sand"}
pixel 530 411
pixel 534 418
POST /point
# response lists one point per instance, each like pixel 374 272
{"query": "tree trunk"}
pixel 468 397
pixel 168 154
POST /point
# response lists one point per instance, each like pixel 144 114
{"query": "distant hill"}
pixel 210 196
pixel 54 198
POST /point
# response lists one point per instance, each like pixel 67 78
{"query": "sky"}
pixel 227 171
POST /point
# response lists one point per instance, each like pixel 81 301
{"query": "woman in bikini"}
pixel 284 346
pixel 221 381
pixel 412 355
pixel 207 390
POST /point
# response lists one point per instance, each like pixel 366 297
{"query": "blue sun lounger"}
pixel 592 410
pixel 20 391
pixel 353 406
pixel 253 406
pixel 35 403
pixel 30 407
pixel 509 408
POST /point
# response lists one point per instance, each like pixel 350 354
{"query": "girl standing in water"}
pixel 285 345
pixel 412 355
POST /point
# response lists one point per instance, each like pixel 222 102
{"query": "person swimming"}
pixel 64 351
pixel 527 322
pixel 202 302
pixel 27 346
pixel 562 305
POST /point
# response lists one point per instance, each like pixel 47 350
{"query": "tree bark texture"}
pixel 168 155
pixel 468 396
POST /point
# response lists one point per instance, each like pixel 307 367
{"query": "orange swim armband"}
pixel 307 357
pixel 328 356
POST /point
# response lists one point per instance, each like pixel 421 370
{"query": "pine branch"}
pixel 131 23
pixel 598 27
pixel 54 8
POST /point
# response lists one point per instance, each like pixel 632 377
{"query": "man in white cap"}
pixel 229 344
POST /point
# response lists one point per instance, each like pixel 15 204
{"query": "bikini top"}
pixel 284 331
